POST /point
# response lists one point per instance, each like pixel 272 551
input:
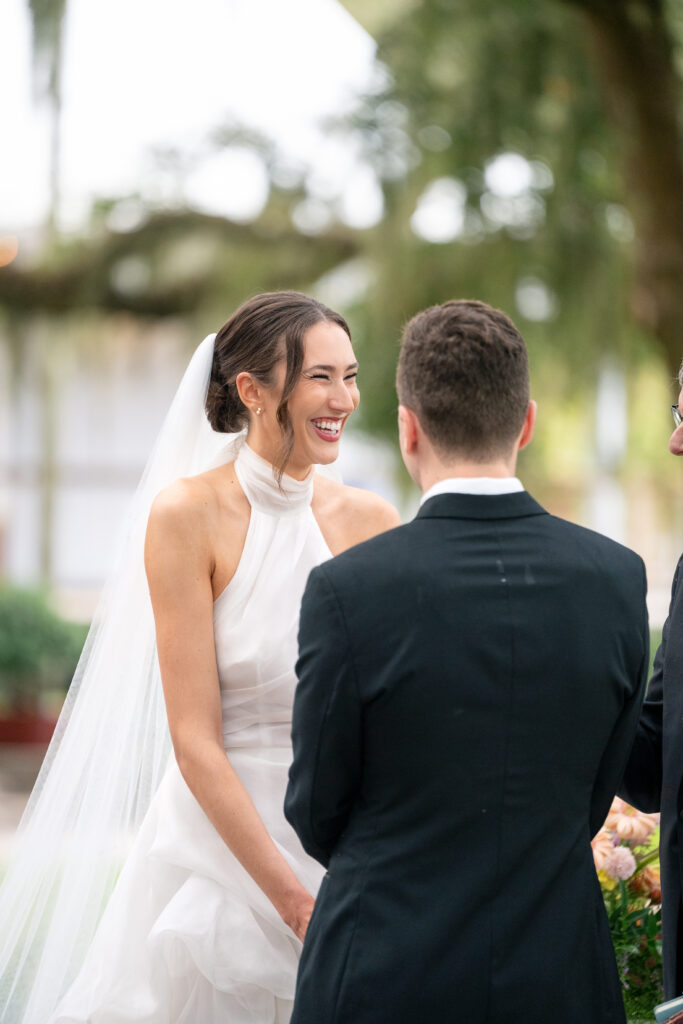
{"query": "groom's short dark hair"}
pixel 464 372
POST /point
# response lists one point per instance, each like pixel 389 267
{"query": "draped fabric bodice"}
pixel 256 616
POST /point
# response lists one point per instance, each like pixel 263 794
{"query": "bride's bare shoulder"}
pixel 362 514
pixel 191 504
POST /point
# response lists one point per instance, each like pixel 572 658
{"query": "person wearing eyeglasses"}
pixel 675 445
pixel 653 780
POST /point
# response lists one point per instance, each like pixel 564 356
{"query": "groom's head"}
pixel 463 375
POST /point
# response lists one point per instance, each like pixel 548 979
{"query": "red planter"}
pixel 26 727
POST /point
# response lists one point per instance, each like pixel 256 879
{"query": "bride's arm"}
pixel 179 563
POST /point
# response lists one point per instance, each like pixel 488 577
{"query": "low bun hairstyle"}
pixel 264 330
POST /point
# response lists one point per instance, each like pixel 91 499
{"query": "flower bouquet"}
pixel 627 861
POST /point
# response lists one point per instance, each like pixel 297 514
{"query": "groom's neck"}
pixel 433 470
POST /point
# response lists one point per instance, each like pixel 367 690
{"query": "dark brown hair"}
pixel 464 372
pixel 264 330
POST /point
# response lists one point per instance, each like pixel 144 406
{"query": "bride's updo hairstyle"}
pixel 264 330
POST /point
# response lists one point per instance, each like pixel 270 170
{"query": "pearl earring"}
pixel 258 411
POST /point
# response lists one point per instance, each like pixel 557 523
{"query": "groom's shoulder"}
pixel 386 549
pixel 591 542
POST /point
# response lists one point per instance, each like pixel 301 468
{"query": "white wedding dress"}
pixel 187 937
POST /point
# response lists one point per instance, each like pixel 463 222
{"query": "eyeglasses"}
pixel 677 415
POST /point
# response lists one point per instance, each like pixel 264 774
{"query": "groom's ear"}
pixel 407 430
pixel 528 429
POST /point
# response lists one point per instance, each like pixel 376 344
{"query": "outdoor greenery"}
pixel 655 640
pixel 38 650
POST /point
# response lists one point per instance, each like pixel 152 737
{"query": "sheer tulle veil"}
pixel 110 748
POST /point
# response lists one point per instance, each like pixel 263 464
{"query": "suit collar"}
pixel 480 506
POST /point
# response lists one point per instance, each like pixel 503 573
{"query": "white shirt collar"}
pixel 474 485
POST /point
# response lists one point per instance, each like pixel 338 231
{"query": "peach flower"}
pixel 648 883
pixel 602 845
pixel 629 824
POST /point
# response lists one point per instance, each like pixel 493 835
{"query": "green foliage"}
pixel 38 650
pixel 464 83
pixel 637 936
pixel 655 641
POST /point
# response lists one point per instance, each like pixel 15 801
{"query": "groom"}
pixel 469 688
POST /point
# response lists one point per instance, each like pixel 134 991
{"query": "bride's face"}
pixel 324 397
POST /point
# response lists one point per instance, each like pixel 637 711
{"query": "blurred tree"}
pixel 633 46
pixel 510 175
pixel 174 262
pixel 47 20
pixel 506 174
pixel 498 172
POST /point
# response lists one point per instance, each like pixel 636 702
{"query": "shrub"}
pixel 38 650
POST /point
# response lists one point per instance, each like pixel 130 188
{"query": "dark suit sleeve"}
pixel 642 781
pixel 617 750
pixel 326 727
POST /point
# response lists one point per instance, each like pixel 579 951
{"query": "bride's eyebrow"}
pixel 330 369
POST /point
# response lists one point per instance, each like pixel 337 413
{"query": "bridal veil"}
pixel 110 748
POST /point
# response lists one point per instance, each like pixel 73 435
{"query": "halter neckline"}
pixel 258 481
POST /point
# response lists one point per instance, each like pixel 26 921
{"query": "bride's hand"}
pixel 296 911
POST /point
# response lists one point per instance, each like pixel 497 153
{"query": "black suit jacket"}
pixel 654 778
pixel 469 688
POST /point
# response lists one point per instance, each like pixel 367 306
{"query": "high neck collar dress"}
pixel 187 937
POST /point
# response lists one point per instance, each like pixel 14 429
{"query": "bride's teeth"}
pixel 330 426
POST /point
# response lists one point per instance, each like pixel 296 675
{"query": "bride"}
pixel 206 920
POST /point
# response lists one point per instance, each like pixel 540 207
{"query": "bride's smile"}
pixel 319 406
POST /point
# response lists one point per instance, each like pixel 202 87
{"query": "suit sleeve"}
pixel 619 745
pixel 642 781
pixel 326 725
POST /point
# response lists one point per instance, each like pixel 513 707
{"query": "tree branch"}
pixel 85 275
